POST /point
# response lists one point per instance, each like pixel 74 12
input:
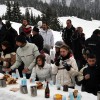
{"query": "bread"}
pixel 11 81
pixel 6 76
pixel 39 85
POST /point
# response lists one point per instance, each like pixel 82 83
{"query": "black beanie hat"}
pixel 35 29
pixel 21 38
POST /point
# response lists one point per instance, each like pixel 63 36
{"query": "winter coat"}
pixel 38 41
pixel 43 73
pixel 48 37
pixel 78 42
pixel 93 43
pixel 2 32
pixel 7 56
pixel 11 35
pixel 67 36
pixel 91 85
pixel 25 29
pixel 64 76
pixel 27 55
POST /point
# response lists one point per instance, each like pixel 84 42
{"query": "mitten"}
pixel 67 66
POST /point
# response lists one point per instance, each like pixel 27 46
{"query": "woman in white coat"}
pixel 66 67
pixel 42 70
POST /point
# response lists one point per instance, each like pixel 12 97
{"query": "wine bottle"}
pixel 47 91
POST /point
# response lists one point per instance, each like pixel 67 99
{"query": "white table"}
pixel 6 94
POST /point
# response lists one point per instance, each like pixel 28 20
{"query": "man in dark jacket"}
pixel 11 34
pixel 2 31
pixel 91 76
pixel 37 39
pixel 67 33
pixel 78 43
pixel 94 44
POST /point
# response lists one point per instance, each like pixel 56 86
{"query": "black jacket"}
pixel 38 41
pixel 2 33
pixel 67 35
pixel 78 42
pixel 11 35
pixel 91 85
pixel 93 43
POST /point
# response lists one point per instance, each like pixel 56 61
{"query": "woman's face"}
pixel 3 47
pixel 39 61
pixel 63 52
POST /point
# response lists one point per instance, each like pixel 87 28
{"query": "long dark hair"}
pixel 8 47
pixel 42 57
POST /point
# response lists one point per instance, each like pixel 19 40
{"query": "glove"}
pixel 67 66
pixel 57 61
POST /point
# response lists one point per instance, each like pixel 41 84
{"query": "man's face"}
pixel 68 24
pixel 25 22
pixel 19 44
pixel 91 61
pixel 44 26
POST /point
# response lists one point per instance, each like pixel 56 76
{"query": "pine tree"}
pixel 27 15
pixel 16 14
pixel 8 13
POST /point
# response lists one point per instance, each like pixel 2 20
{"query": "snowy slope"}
pixel 67 1
pixel 34 11
pixel 88 26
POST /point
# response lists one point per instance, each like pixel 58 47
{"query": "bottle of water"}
pixel 17 74
pixel 64 97
pixel 24 80
pixel 71 96
pixel 79 96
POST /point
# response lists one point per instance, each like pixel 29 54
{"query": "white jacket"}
pixel 43 73
pixel 64 76
pixel 27 55
pixel 48 37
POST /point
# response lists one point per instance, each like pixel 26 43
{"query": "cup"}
pixel 2 83
pixel 98 95
pixel 23 89
pixel 33 90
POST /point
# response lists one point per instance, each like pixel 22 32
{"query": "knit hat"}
pixel 36 29
pixel 59 44
pixel 21 38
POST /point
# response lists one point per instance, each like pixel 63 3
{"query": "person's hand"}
pixel 31 80
pixel 25 70
pixel 87 76
pixel 57 63
pixel 7 69
pixel 67 66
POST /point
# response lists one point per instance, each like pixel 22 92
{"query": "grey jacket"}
pixel 27 55
pixel 43 73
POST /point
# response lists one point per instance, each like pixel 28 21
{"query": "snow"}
pixel 34 11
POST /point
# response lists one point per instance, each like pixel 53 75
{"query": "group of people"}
pixel 76 60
